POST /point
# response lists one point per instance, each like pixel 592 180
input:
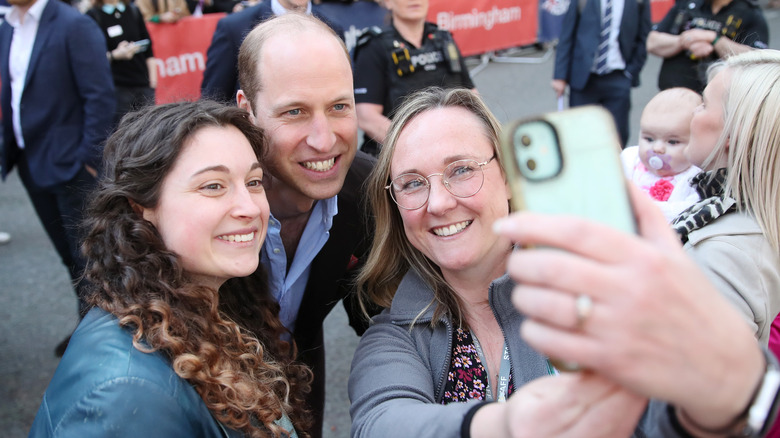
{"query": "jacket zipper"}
pixel 448 357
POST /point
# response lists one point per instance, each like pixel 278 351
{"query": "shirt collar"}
pixel 278 9
pixel 35 12
pixel 330 208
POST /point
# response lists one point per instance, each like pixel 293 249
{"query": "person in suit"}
pixel 58 103
pixel 220 79
pixel 600 53
pixel 296 84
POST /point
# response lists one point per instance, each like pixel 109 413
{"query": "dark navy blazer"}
pixel 579 40
pixel 68 101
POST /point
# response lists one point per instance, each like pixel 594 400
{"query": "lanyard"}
pixel 504 371
pixel 551 369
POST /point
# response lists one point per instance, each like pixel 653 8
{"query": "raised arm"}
pixel 656 326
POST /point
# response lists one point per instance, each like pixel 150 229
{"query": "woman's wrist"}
pixel 715 41
pixel 744 410
pixel 484 419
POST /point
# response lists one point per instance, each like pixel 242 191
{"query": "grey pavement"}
pixel 38 307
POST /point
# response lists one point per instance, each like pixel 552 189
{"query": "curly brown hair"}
pixel 244 373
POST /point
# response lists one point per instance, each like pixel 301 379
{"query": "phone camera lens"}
pixel 525 140
pixel 531 164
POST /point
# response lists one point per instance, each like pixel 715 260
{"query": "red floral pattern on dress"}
pixel 466 379
pixel 661 190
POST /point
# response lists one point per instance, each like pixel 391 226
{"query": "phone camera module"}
pixel 531 164
pixel 525 140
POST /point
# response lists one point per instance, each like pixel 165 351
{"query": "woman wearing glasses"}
pixel 449 331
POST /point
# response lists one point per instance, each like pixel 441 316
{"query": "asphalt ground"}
pixel 38 306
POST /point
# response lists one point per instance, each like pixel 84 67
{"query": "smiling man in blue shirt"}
pixel 296 83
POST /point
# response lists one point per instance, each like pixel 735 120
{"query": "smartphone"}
pixel 568 163
pixel 144 44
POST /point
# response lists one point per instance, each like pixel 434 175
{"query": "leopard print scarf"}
pixel 711 186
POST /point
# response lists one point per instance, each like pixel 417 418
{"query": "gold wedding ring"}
pixel 583 305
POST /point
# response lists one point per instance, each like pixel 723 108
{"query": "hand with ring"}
pixel 634 308
pixel 584 306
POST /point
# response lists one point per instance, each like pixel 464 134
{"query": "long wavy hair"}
pixel 391 254
pixel 247 383
pixel 750 139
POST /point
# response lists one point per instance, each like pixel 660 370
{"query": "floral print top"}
pixel 467 378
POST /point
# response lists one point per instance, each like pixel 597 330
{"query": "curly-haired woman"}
pixel 181 209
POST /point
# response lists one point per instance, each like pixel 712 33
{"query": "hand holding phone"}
pixel 142 45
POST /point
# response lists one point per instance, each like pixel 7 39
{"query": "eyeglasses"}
pixel 462 178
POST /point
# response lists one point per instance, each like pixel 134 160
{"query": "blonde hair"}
pixel 751 135
pixel 391 254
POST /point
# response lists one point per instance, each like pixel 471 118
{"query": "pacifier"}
pixel 656 162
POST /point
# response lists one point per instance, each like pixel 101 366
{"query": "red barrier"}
pixel 659 8
pixel 180 49
pixel 481 26
pixel 478 26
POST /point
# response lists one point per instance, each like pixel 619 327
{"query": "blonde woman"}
pixel 734 232
pixel 447 341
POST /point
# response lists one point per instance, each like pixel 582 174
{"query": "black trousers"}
pixel 131 99
pixel 613 92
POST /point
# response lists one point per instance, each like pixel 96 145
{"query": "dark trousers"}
pixel 131 99
pixel 613 92
pixel 60 209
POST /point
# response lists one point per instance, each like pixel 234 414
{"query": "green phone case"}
pixel 568 163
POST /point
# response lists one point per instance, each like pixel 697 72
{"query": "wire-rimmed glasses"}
pixel 462 178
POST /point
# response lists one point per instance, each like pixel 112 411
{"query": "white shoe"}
pixel 4 237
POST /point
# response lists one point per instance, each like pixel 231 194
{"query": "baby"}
pixel 658 165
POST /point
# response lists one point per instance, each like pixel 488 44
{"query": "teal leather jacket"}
pixel 106 387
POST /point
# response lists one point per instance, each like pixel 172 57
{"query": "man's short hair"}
pixel 251 49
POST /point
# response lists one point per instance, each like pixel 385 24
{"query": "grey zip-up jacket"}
pixel 398 375
pixel 399 370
